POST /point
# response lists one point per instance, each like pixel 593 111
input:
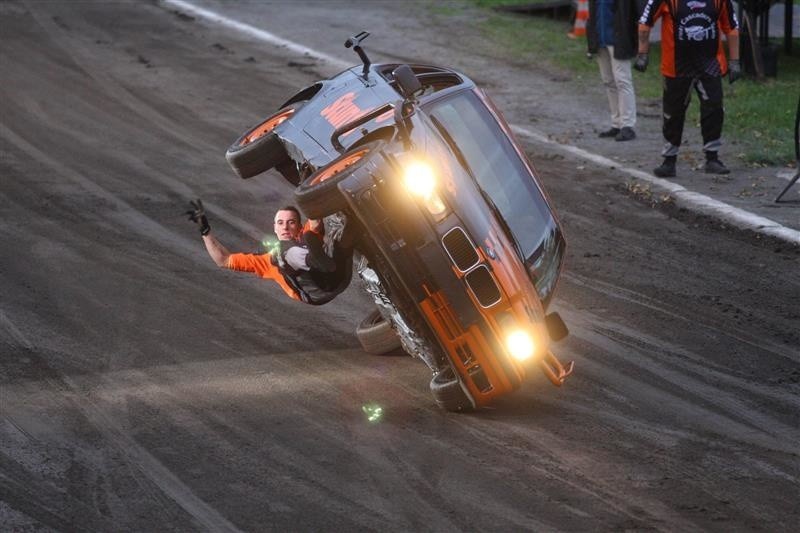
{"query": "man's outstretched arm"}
pixel 216 250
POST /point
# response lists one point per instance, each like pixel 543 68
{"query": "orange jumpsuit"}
pixel 265 266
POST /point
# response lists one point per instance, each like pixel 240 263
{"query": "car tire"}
pixel 447 392
pixel 318 195
pixel 259 149
pixel 376 334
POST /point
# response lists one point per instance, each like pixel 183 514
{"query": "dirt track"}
pixel 143 389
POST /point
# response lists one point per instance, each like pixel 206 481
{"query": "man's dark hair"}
pixel 293 209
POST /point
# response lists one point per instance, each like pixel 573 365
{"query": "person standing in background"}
pixel 691 58
pixel 611 37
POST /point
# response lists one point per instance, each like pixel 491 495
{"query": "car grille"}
pixel 461 250
pixel 479 378
pixel 483 286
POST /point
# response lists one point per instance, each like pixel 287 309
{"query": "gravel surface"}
pixel 141 388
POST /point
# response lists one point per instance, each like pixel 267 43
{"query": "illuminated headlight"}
pixel 421 182
pixel 419 179
pixel 520 345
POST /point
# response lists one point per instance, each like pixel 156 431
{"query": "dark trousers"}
pixel 327 276
pixel 336 281
pixel 677 94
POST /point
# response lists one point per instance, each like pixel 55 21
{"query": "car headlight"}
pixel 520 344
pixel 419 178
pixel 420 181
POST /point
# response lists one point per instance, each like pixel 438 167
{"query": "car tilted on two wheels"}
pixel 458 244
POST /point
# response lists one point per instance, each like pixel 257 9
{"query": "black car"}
pixel 459 245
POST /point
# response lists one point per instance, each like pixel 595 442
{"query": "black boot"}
pixel 667 168
pixel 613 132
pixel 714 165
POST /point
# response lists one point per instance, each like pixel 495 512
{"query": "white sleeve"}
pixel 296 257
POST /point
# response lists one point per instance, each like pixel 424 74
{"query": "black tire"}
pixel 448 393
pixel 318 196
pixel 376 334
pixel 259 149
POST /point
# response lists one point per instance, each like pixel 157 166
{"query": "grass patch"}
pixel 759 115
pixel 444 9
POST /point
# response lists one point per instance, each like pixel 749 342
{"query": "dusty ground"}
pixel 143 389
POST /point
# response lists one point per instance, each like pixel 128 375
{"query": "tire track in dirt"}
pixel 552 470
pixel 124 214
pixel 62 390
pixel 559 462
pixel 79 54
pixel 112 89
pixel 301 473
pixel 32 498
pixel 618 292
pixel 689 385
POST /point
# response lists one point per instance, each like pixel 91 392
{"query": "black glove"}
pixel 641 62
pixel 734 70
pixel 198 215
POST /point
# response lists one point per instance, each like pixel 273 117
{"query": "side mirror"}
pixel 407 81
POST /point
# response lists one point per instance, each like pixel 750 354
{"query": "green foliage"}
pixel 444 9
pixel 538 39
pixel 759 115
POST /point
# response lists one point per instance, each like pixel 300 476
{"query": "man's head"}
pixel 287 223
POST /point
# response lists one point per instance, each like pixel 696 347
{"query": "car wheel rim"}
pixel 338 166
pixel 267 126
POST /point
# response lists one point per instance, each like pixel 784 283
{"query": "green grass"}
pixel 759 118
pixel 760 114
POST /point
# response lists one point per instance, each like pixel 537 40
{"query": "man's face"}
pixel 287 225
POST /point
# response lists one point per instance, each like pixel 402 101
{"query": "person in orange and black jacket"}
pixel 692 58
pixel 298 264
pixel 611 36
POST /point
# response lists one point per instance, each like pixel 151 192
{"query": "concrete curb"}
pixel 696 202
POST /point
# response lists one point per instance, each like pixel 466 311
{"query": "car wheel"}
pixel 259 149
pixel 318 196
pixel 376 334
pixel 448 393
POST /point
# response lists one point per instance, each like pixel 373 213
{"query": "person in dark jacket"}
pixel 692 58
pixel 612 38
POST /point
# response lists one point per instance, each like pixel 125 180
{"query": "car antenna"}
pixel 354 42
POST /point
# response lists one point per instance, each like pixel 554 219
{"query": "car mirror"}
pixel 407 81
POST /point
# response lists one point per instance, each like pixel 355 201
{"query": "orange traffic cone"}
pixel 581 16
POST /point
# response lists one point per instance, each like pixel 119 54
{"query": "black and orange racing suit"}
pixel 692 57
pixel 310 286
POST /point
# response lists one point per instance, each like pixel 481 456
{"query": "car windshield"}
pixel 499 171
